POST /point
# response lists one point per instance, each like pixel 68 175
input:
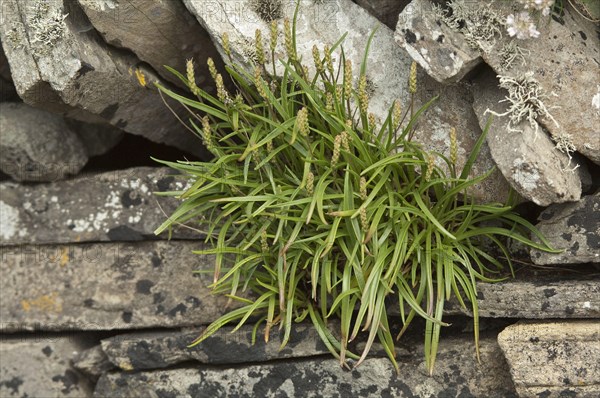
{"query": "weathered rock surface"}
pixel 141 351
pixel 37 145
pixel 159 32
pixel 93 362
pixel 554 359
pixel 107 287
pixel 386 11
pixel 388 70
pixel 111 206
pixel 39 366
pixel 60 63
pixel 574 227
pixel 564 60
pixel 539 298
pixel 441 51
pixel 527 159
pixel 456 374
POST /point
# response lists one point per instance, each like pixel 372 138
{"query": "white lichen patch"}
pixel 524 175
pixel 9 221
pixel 596 101
pixel 93 222
pixel 48 26
pixel 113 200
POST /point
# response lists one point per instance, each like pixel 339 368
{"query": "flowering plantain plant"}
pixel 320 211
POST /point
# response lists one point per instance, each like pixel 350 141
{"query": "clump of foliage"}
pixel 321 211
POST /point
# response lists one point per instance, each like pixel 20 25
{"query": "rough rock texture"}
pixel 564 60
pixel 39 366
pixel 140 351
pixel 388 69
pixel 456 374
pixel 528 160
pixel 60 63
pixel 107 286
pixel 159 32
pixel 112 206
pixel 574 227
pixel 37 145
pixel 536 298
pixel 554 359
pixel 386 11
pixel 441 51
pixel 93 362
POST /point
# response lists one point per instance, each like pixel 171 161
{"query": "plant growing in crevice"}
pixel 322 212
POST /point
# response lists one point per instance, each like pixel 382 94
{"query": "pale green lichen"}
pixel 13 37
pixel 509 53
pixel 480 25
pixel 48 27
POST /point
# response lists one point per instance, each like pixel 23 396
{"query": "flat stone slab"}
pixel 118 205
pixel 527 159
pixel 142 351
pixel 107 286
pixel 457 374
pixel 553 359
pixel 536 299
pixel 39 366
pixel 574 227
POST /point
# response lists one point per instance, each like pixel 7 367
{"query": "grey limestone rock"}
pixel 456 374
pixel 386 11
pixel 119 205
pixel 59 62
pixel 156 350
pixel 553 359
pixel 93 362
pixel 574 227
pixel 323 23
pixel 527 158
pixel 442 51
pixel 536 298
pixel 159 32
pixel 37 145
pixel 107 286
pixel 39 366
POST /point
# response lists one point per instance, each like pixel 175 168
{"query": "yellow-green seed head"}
pixel 260 83
pixel 348 78
pixel 302 120
pixel 329 102
pixel 337 142
pixel 310 183
pixel 207 134
pixel 191 77
pixel 396 114
pixel 274 34
pixel 453 146
pixel 364 222
pixel 264 244
pixel 372 120
pixel 260 50
pixel 270 146
pixel 430 166
pixel 289 42
pixel 222 93
pixel 412 82
pixel 363 97
pixel 363 188
pixel 317 59
pixel 226 47
pixel 328 60
pixel 211 68
pixel 345 141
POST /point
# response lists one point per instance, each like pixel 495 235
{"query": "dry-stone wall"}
pixel 93 304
